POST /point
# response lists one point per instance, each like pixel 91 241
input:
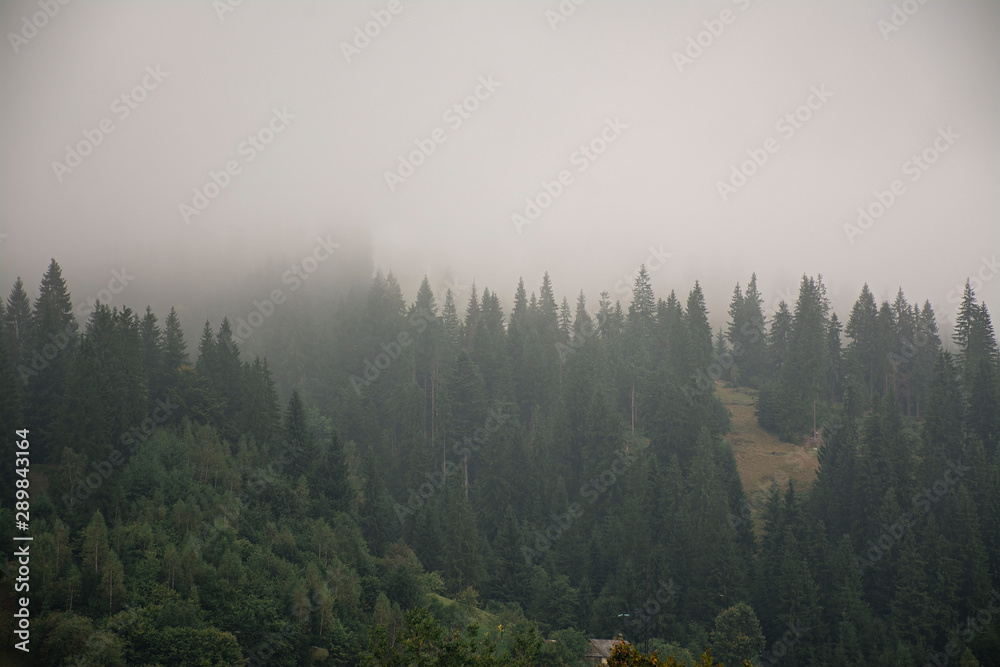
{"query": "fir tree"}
pixel 17 323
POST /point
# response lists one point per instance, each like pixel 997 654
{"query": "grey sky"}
pixel 887 96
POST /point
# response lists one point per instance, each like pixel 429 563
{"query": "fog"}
pixel 803 112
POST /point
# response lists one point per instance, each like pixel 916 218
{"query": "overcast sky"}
pixel 872 87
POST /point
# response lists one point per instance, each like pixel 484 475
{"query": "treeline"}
pixel 552 463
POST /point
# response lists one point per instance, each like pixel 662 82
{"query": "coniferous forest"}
pixel 418 479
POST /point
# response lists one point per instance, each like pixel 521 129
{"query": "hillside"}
pixel 760 456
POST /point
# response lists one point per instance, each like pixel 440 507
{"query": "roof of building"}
pixel 601 648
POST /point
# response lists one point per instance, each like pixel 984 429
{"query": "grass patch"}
pixel 760 456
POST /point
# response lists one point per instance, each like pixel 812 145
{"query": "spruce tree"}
pixel 297 434
pixel 17 323
pixel 778 338
pixel 862 329
pixel 175 348
pixel 698 329
pixel 753 332
pixel 54 338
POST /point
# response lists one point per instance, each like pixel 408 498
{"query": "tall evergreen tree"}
pixel 699 330
pixel 942 426
pixel 862 329
pixel 297 433
pixel 54 338
pixel 835 371
pixel 778 338
pixel 17 325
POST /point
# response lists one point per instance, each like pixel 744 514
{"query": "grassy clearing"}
pixel 760 456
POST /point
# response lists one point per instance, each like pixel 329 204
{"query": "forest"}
pixel 447 481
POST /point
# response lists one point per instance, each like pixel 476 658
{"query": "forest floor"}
pixel 760 456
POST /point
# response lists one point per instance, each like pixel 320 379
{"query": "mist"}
pixel 561 332
pixel 715 139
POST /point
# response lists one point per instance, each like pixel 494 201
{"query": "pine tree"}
pixel 463 565
pixel 471 319
pixel 175 349
pixel 465 409
pixel 736 313
pixel 208 357
pixel 328 475
pixel 511 574
pixel 583 325
pixel 778 338
pixel 833 351
pixel 548 323
pixel 17 326
pixel 297 434
pixel 261 415
pixel 753 332
pixel 451 325
pixel 911 610
pixel 862 329
pixel 928 345
pixel 227 380
pixel 833 492
pixel 565 320
pixel 983 408
pixel 885 325
pixel 806 367
pixel 152 354
pixel 942 427
pixel 965 320
pixel 699 330
pixel 54 330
